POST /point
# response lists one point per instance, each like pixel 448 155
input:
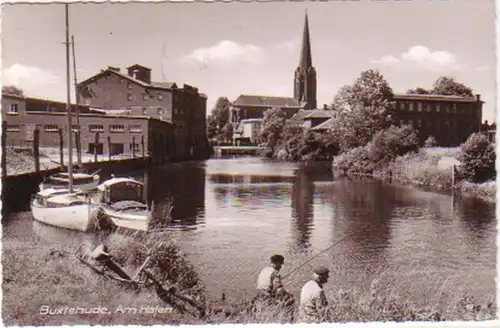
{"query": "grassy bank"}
pixel 431 168
pixel 34 276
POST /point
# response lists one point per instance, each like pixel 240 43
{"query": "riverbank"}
pixel 432 168
pixel 37 279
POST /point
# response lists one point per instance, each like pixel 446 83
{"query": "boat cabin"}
pixel 120 189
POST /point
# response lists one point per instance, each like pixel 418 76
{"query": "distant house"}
pixel 253 106
pixel 489 130
pixel 248 131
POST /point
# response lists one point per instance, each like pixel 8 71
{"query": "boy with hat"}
pixel 312 297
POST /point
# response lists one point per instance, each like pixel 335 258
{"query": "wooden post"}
pixel 4 155
pixel 109 148
pixel 142 146
pixel 78 146
pixel 61 148
pixel 36 149
pixel 133 147
pixel 96 143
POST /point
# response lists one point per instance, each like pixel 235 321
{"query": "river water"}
pixel 246 209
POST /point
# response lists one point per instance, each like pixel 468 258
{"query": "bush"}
pixel 430 142
pixel 354 161
pixel 387 144
pixel 478 156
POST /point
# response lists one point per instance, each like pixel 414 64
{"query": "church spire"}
pixel 304 88
pixel 305 55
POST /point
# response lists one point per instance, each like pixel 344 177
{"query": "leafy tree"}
pixel 354 161
pixel 12 90
pixel 477 156
pixel 364 109
pixel 272 128
pixel 418 91
pixel 227 132
pixel 446 85
pixel 218 118
pixel 369 90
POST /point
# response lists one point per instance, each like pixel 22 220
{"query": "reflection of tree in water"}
pixel 362 214
pixel 184 185
pixel 478 216
pixel 302 208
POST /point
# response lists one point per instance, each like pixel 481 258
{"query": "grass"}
pixel 431 168
pixel 34 277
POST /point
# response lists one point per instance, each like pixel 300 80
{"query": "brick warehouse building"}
pixel 449 119
pixel 117 133
pixel 135 94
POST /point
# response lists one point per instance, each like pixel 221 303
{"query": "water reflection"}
pixel 302 208
pixel 183 186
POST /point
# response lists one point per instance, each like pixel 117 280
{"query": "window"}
pixel 13 109
pixel 75 127
pixel 429 107
pixel 419 106
pixel 410 107
pixel 96 128
pixel 402 105
pixel 12 127
pixel 129 86
pixel 145 96
pixel 402 122
pixel 438 107
pixel 135 128
pixel 175 111
pixel 144 111
pixel 454 108
pixel 410 122
pixel 117 128
pixel 160 97
pixel 51 128
pixel 134 147
pixel 129 97
pixel 160 111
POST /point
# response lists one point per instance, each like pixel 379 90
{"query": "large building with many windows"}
pixel 449 119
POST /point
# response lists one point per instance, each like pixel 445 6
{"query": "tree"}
pixel 369 90
pixel 430 142
pixel 477 156
pixel 446 85
pixel 218 118
pixel 395 141
pixel 12 90
pixel 364 109
pixel 272 129
pixel 227 132
pixel 418 91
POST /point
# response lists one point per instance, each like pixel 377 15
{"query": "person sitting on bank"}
pixel 269 281
pixel 313 301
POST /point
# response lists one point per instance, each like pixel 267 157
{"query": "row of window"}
pixel 145 96
pixel 429 123
pixel 134 128
pixel 437 107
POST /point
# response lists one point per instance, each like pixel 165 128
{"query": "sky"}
pixel 228 49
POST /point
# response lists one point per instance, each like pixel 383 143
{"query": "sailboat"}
pixel 61 207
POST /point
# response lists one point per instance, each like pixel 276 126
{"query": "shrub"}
pixel 477 155
pixel 354 161
pixel 395 141
pixel 430 142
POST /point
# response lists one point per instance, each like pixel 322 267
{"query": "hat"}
pixel 321 271
pixel 276 258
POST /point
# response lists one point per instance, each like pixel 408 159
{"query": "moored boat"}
pixel 60 208
pixel 81 181
pixel 121 200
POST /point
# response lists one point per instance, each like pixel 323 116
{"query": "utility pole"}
pixel 77 100
pixel 68 104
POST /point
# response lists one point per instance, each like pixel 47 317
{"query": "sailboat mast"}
pixel 68 105
pixel 77 100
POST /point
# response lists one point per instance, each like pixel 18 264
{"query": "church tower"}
pixel 305 75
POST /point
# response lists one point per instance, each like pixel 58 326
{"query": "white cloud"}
pixel 421 57
pixel 29 79
pixel 226 52
pixel 483 68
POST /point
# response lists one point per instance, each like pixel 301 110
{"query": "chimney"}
pixel 478 97
pixel 116 69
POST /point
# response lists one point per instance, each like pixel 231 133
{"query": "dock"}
pixel 220 151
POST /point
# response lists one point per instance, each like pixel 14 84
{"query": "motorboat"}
pixel 81 181
pixel 64 209
pixel 121 200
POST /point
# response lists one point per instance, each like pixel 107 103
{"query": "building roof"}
pixel 319 113
pixel 326 125
pixel 402 96
pixel 155 85
pixel 265 101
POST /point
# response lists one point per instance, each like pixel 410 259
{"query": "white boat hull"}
pixel 76 217
pixel 134 222
pixel 83 186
